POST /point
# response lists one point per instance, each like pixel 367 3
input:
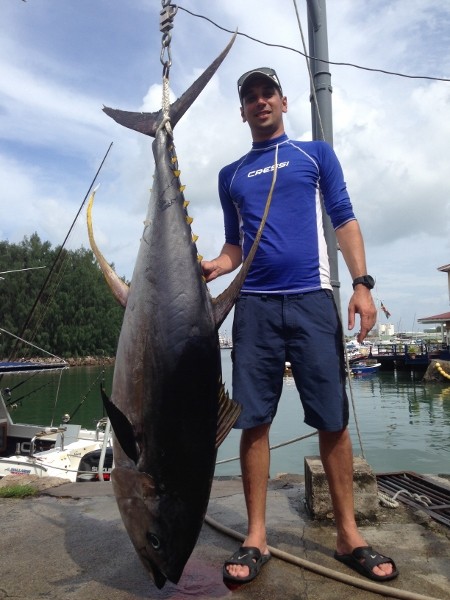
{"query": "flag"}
pixel 385 310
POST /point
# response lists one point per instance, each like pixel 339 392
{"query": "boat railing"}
pixel 399 348
pixel 106 440
pixel 101 428
pixel 44 432
pixel 103 425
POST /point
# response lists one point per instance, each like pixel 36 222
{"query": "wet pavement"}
pixel 69 543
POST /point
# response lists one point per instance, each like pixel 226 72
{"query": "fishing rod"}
pixel 15 401
pixel 55 262
pixel 14 387
pixel 83 399
pixel 20 270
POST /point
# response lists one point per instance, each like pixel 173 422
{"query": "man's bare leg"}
pixel 255 461
pixel 337 459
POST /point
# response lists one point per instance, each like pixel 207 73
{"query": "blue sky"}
pixel 61 61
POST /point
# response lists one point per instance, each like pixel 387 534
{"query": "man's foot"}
pixel 244 565
pixel 369 563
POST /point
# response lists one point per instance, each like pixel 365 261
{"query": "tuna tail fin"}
pixel 225 301
pixel 118 287
pixel 148 123
pixel 229 410
pixel 123 429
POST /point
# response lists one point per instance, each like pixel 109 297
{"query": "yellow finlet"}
pixel 185 203
pixel 177 173
pixel 189 220
pixel 194 237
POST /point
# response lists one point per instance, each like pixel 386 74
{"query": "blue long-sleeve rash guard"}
pixel 292 254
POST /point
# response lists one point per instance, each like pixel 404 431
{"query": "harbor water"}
pixel 397 423
pixel 403 424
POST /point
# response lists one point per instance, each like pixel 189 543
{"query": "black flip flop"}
pixel 247 556
pixel 364 559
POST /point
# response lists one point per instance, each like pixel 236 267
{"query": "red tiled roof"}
pixel 435 318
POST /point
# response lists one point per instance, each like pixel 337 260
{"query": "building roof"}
pixel 445 268
pixel 442 318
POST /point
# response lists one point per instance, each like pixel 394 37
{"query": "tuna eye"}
pixel 154 541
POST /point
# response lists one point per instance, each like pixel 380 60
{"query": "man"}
pixel 286 312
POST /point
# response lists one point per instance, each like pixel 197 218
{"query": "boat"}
pixel 7 366
pixel 365 367
pixel 75 456
pixel 69 450
pixel 225 342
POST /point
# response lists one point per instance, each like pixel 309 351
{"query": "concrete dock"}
pixel 69 543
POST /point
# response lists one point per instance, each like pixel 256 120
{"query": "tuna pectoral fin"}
pixel 229 410
pixel 224 303
pixel 118 287
pixel 123 429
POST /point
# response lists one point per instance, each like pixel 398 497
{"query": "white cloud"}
pixel 59 62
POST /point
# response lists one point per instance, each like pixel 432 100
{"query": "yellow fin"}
pixel 199 257
pixel 118 287
pixel 185 203
pixel 182 188
pixel 194 237
pixel 177 173
pixel 189 220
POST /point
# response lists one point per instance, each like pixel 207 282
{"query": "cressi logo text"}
pixel 267 169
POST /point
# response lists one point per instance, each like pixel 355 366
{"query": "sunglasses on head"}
pixel 270 73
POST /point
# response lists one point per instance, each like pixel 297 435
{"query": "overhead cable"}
pixel 337 64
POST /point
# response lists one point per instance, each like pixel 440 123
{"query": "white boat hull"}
pixel 50 463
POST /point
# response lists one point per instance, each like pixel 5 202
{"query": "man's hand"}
pixel 210 270
pixel 362 303
pixel 228 260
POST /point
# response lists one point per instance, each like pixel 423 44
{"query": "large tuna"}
pixel 168 407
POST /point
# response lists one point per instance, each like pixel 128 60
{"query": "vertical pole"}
pixel 322 119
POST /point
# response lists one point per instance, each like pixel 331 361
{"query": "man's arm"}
pixel 351 244
pixel 229 259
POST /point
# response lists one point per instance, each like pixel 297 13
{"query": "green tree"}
pixel 66 308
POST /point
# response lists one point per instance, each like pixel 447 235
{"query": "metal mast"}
pixel 321 115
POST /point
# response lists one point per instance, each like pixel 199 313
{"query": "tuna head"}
pixel 155 522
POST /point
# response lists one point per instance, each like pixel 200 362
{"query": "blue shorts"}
pixel 304 329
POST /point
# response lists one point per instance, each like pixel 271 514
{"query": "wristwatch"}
pixel 366 280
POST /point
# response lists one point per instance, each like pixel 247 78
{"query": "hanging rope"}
pixel 166 25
